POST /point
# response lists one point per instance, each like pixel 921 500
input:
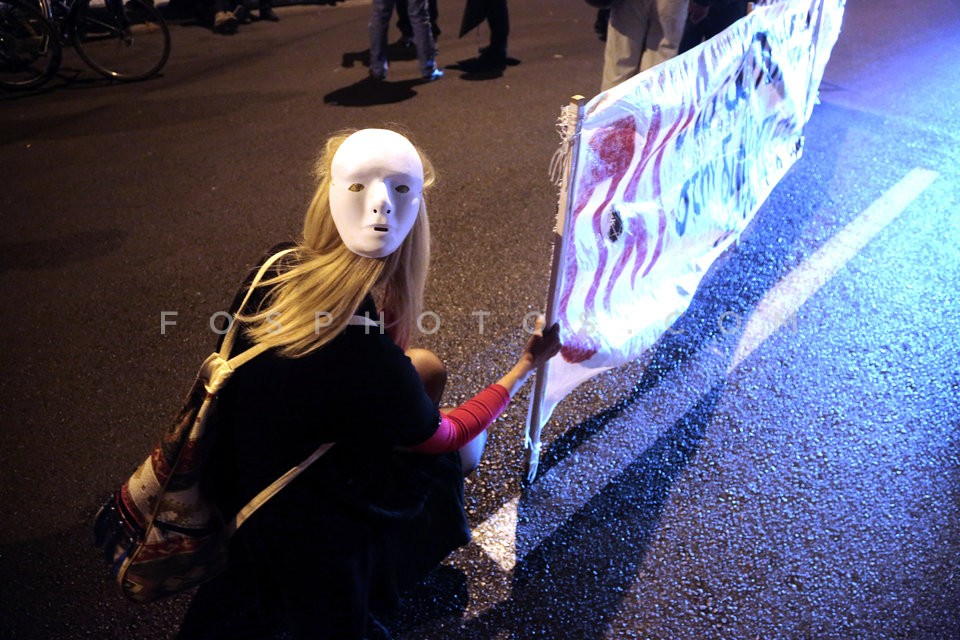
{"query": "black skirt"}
pixel 317 566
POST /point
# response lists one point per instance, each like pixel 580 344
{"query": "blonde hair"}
pixel 328 278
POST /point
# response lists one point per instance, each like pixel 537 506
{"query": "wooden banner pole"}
pixel 560 236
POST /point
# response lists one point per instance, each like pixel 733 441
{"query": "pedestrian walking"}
pixel 493 57
pixel 419 16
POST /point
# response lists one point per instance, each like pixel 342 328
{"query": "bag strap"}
pixel 231 336
pixel 257 349
pixel 278 484
pixel 261 498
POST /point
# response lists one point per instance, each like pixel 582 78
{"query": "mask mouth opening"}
pixel 380 228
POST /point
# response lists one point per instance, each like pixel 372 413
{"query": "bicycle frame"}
pixel 125 40
pixel 62 14
pixel 78 24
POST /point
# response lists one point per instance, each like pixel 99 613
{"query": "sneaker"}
pixel 436 74
pixel 225 22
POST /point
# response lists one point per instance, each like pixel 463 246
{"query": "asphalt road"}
pixel 795 482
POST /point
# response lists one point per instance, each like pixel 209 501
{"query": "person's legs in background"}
pixel 498 17
pixel 380 13
pixel 403 24
pixel 434 18
pixel 665 32
pixel 600 24
pixel 266 11
pixel 725 15
pixel 626 34
pixel 692 34
pixel 419 16
pixel 403 21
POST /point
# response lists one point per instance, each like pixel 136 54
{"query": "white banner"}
pixel 671 168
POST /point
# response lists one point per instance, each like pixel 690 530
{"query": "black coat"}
pixel 363 521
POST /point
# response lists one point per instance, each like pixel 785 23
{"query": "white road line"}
pixel 788 295
pixel 563 490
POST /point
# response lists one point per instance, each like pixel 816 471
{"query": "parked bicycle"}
pixel 122 40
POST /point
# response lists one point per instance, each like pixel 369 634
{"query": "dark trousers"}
pixel 499 20
pixel 718 18
pixel 403 20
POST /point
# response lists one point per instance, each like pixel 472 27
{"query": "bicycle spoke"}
pixel 29 48
pixel 128 42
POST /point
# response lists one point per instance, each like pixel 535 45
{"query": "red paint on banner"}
pixel 630 195
pixel 657 250
pixel 656 121
pixel 610 153
pixel 574 353
pixel 615 147
pixel 635 239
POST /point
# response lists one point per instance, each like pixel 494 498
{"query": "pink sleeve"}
pixel 466 422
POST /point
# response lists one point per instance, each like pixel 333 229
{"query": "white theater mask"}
pixel 375 191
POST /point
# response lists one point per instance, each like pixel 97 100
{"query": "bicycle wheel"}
pixel 122 40
pixel 29 47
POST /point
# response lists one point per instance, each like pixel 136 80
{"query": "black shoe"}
pixel 491 59
pixel 484 63
pixel 269 15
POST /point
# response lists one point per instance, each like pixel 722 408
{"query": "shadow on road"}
pixel 477 69
pixel 58 252
pixel 568 588
pixel 369 92
pixel 62 563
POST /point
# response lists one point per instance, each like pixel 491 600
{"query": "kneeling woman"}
pixel 385 504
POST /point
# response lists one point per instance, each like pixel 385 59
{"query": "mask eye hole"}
pixel 402 188
pixel 355 187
